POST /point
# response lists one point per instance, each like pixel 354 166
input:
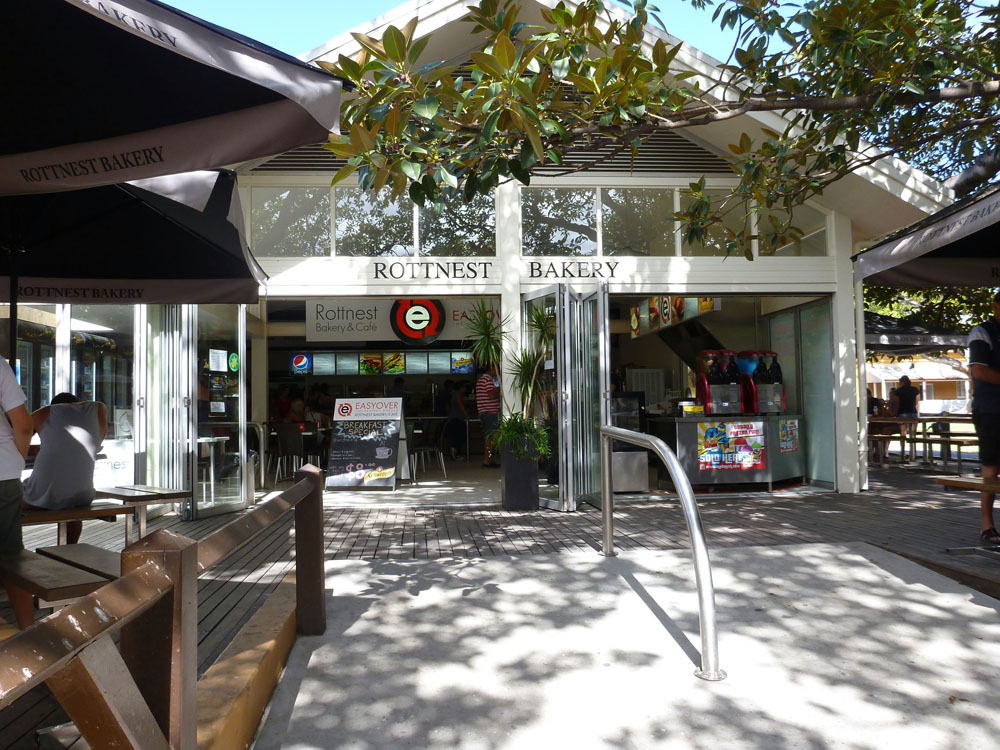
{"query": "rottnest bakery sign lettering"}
pixel 433 271
pixel 78 292
pixel 93 165
pixel 572 269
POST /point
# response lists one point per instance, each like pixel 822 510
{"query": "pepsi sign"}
pixel 301 364
pixel 417 321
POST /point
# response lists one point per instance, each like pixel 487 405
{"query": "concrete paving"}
pixel 825 646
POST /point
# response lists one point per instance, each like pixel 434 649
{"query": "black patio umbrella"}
pixel 956 246
pixel 888 335
pixel 173 239
pixel 117 90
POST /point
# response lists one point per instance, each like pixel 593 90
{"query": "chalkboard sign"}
pixel 364 444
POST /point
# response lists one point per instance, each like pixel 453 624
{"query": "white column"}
pixel 508 208
pixel 859 332
pixel 845 358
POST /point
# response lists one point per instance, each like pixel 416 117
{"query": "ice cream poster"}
pixel 788 435
pixel 730 446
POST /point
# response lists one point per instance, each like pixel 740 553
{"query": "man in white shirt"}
pixel 15 436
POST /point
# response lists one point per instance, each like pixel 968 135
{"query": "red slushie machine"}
pixel 744 383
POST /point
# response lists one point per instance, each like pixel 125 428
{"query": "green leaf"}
pixel 503 50
pixel 411 169
pixel 417 193
pixel 426 107
pixel 490 125
pixel 417 48
pixel 447 177
pixel 395 44
pixel 343 173
pixel 489 64
pixel 560 68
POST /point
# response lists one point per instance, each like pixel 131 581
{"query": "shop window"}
pixel 461 229
pixel 290 222
pixel 372 226
pixel 637 222
pixel 558 221
pixel 717 236
pixel 808 239
pixel 35 352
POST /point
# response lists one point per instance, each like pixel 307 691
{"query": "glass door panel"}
pixel 535 305
pixel 591 384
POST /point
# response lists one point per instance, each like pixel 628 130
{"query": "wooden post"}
pixel 310 577
pixel 161 646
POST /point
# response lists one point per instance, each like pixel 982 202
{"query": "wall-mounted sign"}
pixel 417 321
pixel 452 270
pixel 300 364
pixel 368 319
pixel 217 360
pixel 572 269
pixel 728 446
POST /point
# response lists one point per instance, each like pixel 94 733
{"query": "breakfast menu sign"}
pixel 364 444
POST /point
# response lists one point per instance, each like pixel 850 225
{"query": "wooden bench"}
pixel 946 439
pixel 49 579
pixel 97 560
pixel 140 496
pixel 971 483
pixel 876 443
pixel 103 511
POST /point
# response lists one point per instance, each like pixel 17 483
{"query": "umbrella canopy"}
pixel 894 336
pixel 173 239
pixel 957 246
pixel 118 90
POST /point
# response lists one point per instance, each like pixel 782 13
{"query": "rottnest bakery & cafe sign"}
pixel 411 321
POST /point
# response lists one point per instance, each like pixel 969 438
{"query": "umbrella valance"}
pixel 957 246
pixel 173 239
pixel 894 336
pixel 118 90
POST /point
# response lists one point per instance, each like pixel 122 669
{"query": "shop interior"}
pixel 686 369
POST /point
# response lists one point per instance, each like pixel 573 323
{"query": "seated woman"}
pixel 71 432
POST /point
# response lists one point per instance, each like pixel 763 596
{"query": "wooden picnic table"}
pixel 899 422
pixel 140 496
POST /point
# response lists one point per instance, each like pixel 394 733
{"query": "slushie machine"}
pixel 744 383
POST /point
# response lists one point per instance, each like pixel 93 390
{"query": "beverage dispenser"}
pixel 718 382
pixel 762 383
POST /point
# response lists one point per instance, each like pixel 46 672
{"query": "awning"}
pixel 957 246
pixel 112 91
pixel 894 336
pixel 173 239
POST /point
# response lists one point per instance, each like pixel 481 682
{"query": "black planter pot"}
pixel 518 482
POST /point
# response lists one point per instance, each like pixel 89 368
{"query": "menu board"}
pixel 371 363
pixel 347 363
pixel 364 443
pixel 393 363
pixel 416 364
pixel 439 363
pixel 324 363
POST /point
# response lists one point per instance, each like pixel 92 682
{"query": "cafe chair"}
pixel 426 444
pixel 293 450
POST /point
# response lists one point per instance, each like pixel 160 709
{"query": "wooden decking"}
pixel 905 512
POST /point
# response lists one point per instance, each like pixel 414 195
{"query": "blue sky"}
pixel 297 26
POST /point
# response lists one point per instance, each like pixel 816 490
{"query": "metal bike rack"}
pixel 699 550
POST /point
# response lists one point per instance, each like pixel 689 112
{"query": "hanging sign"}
pixel 728 446
pixel 364 444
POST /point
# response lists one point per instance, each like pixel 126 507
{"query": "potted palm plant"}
pixel 521 436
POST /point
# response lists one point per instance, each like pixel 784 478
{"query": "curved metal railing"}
pixel 699 550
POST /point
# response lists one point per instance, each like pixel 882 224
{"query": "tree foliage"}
pixel 857 80
pixel 956 308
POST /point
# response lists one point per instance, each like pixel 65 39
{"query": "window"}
pixel 717 235
pixel 637 222
pixel 461 229
pixel 290 222
pixel 373 226
pixel 558 221
pixel 810 222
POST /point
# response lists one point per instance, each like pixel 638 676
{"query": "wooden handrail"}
pixel 154 679
pixel 33 655
pixel 238 532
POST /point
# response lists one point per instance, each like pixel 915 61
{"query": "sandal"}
pixel 990 537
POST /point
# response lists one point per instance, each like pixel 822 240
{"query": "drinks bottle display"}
pixel 732 371
pixel 760 374
pixel 774 371
pixel 715 376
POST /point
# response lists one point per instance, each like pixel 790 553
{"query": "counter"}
pixel 734 449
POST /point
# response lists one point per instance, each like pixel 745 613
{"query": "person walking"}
pixel 15 437
pixel 488 406
pixel 904 403
pixel 71 432
pixel 984 367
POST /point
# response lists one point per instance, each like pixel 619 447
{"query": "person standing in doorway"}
pixel 15 437
pixel 488 406
pixel 984 367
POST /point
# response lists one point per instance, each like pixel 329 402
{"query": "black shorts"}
pixel 988 431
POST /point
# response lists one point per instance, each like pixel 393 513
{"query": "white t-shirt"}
pixel 11 396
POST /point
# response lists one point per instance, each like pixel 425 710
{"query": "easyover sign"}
pixel 373 319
